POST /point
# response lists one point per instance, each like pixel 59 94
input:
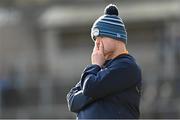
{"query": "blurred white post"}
pixel 46 84
pixel 51 53
pixel 169 50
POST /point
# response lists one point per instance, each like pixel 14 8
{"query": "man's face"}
pixel 108 43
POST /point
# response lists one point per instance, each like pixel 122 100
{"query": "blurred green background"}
pixel 45 45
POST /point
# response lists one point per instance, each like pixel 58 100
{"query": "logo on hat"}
pixel 118 35
pixel 95 32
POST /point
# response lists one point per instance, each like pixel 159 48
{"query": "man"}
pixel 110 87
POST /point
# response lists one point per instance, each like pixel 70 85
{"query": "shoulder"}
pixel 124 61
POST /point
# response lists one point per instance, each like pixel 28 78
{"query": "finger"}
pixel 96 46
pixel 101 47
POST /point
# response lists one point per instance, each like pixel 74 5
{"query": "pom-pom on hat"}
pixel 109 25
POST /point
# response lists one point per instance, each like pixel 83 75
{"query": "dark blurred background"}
pixel 45 45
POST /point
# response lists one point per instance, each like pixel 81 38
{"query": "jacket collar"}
pixel 108 62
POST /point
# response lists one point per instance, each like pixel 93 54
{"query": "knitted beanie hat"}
pixel 109 25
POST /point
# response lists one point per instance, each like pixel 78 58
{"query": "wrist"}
pixel 97 64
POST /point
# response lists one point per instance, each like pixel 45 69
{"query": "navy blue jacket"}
pixel 108 93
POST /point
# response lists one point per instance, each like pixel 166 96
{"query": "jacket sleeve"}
pixel 97 82
pixel 76 100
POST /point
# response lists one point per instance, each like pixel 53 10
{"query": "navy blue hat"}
pixel 109 25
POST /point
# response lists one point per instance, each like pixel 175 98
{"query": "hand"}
pixel 97 56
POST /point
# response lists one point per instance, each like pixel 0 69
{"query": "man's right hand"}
pixel 97 56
